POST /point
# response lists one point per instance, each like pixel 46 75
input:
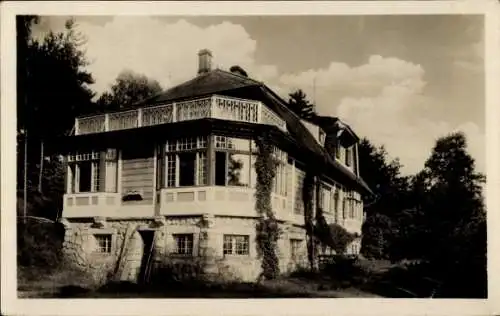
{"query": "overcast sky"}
pixel 401 81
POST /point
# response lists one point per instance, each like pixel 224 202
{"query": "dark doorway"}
pixel 147 254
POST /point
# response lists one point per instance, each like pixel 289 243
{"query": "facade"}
pixel 174 178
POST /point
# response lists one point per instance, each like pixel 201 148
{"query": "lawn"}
pixel 71 284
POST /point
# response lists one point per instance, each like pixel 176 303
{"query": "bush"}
pixel 346 272
pixel 39 244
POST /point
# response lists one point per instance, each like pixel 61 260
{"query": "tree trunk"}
pixel 40 176
pixel 25 165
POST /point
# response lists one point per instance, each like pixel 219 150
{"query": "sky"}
pixel 401 81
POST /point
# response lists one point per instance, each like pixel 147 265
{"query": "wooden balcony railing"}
pixel 219 107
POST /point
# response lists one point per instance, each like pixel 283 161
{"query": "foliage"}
pixel 449 207
pixel 57 99
pixel 39 245
pixel 299 104
pixel 64 94
pixel 234 171
pixel 307 199
pixel 128 89
pixel 268 231
pixel 383 176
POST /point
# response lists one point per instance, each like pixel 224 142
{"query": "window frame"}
pixel 295 246
pixel 108 243
pixel 173 148
pixel 235 241
pixel 189 241
pixel 75 161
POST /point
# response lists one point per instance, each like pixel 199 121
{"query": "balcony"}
pixel 218 107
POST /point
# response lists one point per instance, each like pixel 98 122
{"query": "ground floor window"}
pixel 326 250
pixel 103 243
pixel 295 247
pixel 183 244
pixel 236 245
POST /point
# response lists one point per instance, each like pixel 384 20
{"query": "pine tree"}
pixel 299 104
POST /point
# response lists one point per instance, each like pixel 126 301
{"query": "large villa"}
pixel 174 176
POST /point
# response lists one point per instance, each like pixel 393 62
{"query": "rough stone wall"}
pixel 208 239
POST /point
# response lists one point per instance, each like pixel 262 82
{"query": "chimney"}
pixel 204 61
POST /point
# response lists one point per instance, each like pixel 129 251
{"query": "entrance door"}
pixel 147 255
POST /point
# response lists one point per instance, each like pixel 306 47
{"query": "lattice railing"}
pixel 157 115
pixel 123 120
pixel 269 117
pixel 237 110
pixel 193 109
pixel 92 124
pixel 219 107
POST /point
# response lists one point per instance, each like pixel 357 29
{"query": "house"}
pixel 174 176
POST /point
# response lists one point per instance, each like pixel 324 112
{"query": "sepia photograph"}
pixel 250 156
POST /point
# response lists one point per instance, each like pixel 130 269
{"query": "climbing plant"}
pixel 333 235
pixel 307 199
pixel 317 228
pixel 268 231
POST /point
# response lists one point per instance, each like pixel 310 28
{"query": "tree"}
pixel 128 89
pixel 384 177
pixel 52 88
pixel 299 104
pixel 56 98
pixel 449 206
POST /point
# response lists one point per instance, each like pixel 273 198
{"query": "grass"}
pixel 72 284
pixel 369 278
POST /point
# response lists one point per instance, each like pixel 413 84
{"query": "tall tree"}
pixel 383 175
pixel 128 89
pixel 52 89
pixel 299 104
pixel 450 207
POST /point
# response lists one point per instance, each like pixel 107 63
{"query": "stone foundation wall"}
pixel 208 234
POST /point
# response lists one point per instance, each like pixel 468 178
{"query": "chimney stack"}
pixel 204 61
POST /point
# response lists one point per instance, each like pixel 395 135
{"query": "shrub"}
pixel 346 272
pixel 39 244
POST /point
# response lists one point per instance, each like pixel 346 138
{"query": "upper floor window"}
pixel 232 161
pixel 349 156
pixel 322 137
pixel 300 176
pixel 235 164
pixel 295 248
pixel 324 198
pixel 338 148
pixel 86 172
pixel 186 162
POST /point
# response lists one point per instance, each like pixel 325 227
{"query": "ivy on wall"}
pixel 333 235
pixel 317 228
pixel 268 231
pixel 308 199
